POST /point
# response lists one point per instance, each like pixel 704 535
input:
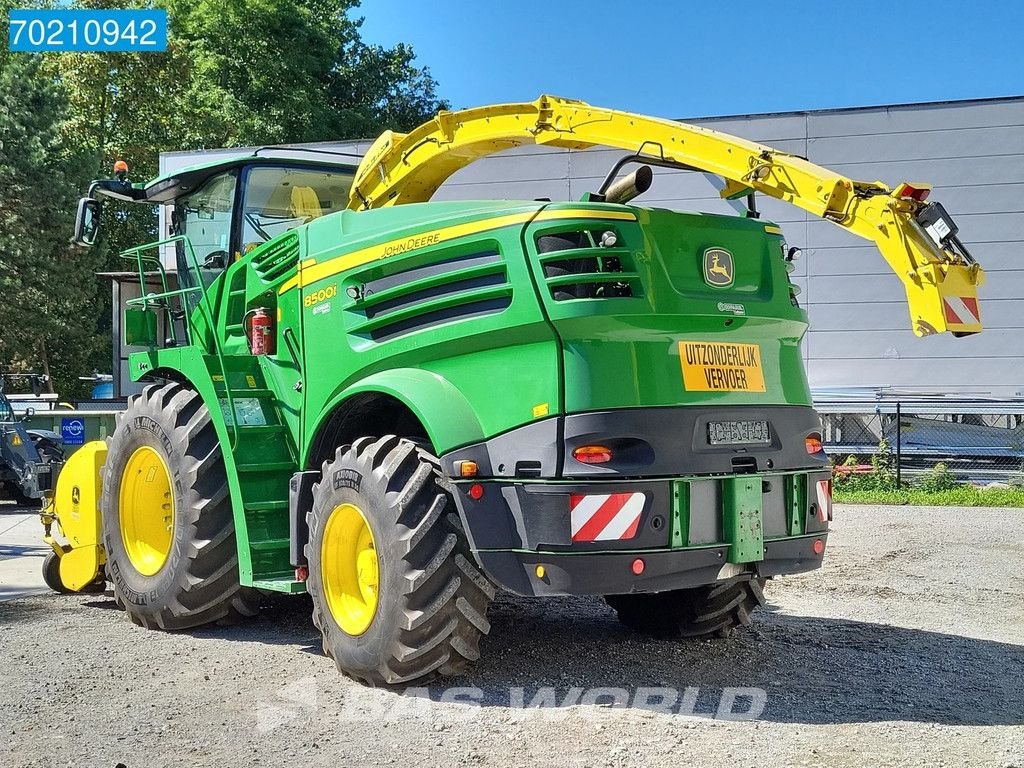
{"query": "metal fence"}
pixel 980 442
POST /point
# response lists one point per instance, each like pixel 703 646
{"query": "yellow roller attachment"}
pixel 349 569
pixel 77 505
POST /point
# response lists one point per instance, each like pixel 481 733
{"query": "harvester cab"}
pixel 401 405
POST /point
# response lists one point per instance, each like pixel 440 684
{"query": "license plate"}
pixel 716 366
pixel 736 432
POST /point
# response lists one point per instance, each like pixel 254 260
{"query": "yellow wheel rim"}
pixel 349 569
pixel 146 511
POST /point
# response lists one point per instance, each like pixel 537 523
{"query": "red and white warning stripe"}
pixel 824 488
pixel 962 310
pixel 606 516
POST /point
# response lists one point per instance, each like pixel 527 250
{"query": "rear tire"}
pixel 198 580
pixel 429 600
pixel 714 610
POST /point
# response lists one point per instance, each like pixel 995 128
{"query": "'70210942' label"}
pixel 40 29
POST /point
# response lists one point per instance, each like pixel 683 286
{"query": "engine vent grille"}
pixel 277 259
pixel 457 288
pixel 576 267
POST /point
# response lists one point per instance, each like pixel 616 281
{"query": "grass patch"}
pixel 961 496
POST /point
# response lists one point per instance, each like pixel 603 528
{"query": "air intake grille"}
pixel 277 259
pixel 575 267
pixel 457 288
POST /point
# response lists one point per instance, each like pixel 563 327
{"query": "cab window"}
pixel 281 198
pixel 205 217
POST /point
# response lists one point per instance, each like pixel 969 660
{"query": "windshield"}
pixel 6 413
pixel 279 199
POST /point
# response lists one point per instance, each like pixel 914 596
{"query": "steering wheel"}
pixel 216 260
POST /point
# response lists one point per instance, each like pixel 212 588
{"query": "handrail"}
pixel 203 305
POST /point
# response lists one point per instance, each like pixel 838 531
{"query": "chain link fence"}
pixel 981 443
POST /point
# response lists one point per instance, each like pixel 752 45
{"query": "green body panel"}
pixel 624 352
pixel 449 308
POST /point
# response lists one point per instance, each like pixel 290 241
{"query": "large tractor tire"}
pixel 396 594
pixel 714 610
pixel 167 525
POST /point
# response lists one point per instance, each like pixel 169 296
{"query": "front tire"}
pixel 714 610
pixel 167 523
pixel 396 594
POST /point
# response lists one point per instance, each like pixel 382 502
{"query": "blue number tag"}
pixel 99 30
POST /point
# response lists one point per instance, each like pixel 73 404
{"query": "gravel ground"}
pixel 907 648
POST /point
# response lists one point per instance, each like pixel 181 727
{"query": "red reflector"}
pixel 476 491
pixel 638 566
pixel 592 454
pixel 819 546
pixel 813 444
pixel 911 192
pixel 301 573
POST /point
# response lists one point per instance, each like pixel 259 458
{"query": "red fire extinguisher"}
pixel 259 330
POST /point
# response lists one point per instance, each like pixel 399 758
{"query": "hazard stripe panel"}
pixel 824 488
pixel 606 516
pixel 961 309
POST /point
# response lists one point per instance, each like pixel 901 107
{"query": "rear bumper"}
pixel 607 573
pixel 686 531
pixel 684 506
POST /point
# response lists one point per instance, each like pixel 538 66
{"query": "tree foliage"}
pixel 48 292
pixel 236 73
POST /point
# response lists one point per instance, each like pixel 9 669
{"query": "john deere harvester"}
pixel 401 406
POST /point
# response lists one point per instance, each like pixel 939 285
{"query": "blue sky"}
pixel 697 58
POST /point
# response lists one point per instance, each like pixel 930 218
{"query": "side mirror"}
pixel 30 412
pixel 87 222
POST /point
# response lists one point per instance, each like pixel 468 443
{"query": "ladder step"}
pixel 267 466
pixel 233 327
pixel 268 544
pixel 255 430
pixel 282 582
pixel 255 392
pixel 264 506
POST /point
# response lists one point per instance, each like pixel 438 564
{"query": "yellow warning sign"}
pixel 715 366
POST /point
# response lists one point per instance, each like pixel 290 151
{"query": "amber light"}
pixel 592 454
pixel 813 444
pixel 466 468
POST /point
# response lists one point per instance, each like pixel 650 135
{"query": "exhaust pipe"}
pixel 628 187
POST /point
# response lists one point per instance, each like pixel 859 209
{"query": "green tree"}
pixel 47 320
pixel 236 73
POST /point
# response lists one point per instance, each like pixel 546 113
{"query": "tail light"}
pixel 592 454
pixel 813 444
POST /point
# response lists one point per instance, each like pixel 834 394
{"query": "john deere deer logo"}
pixel 718 267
